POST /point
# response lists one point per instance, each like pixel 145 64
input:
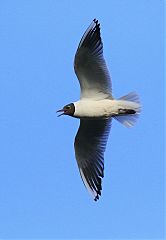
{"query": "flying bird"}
pixel 96 108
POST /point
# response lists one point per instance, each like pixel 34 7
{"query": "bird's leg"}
pixel 122 111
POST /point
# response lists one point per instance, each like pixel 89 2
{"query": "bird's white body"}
pixel 87 108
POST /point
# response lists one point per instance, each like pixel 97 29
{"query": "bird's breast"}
pixel 95 109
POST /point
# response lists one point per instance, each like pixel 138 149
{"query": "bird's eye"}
pixel 68 107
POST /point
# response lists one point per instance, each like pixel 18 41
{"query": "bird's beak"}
pixel 61 110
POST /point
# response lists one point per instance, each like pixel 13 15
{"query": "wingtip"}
pixel 98 194
pixel 96 198
pixel 96 22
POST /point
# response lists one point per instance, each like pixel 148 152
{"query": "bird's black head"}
pixel 68 109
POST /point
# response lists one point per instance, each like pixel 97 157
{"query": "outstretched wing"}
pixel 90 144
pixel 90 66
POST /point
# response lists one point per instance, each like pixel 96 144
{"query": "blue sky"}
pixel 41 193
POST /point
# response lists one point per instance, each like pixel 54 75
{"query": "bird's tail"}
pixel 130 111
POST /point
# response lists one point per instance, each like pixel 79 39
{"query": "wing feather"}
pixel 90 144
pixel 90 66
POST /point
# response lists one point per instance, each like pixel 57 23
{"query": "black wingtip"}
pixel 98 192
pixel 92 39
pixel 97 196
pixel 96 22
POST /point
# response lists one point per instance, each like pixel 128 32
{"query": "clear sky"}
pixel 41 192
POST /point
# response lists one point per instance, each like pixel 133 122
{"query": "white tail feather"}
pixel 132 97
pixel 130 119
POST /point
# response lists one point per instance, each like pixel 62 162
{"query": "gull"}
pixel 96 108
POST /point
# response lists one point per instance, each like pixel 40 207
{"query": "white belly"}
pixel 95 109
pixel 101 109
